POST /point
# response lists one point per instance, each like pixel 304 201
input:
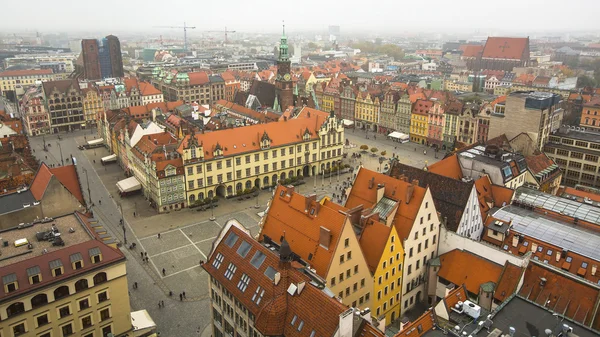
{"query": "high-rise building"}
pixel 102 58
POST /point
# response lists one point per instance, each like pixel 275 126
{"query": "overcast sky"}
pixel 384 16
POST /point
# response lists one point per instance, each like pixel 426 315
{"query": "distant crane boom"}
pixel 185 28
pixel 221 31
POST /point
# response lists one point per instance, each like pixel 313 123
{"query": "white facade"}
pixel 152 99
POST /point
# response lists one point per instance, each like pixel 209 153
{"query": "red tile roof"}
pixel 147 89
pixel 421 107
pixel 420 326
pixel 472 51
pixel 538 163
pixel 506 48
pixel 449 167
pixel 67 175
pixel 373 239
pixel 458 294
pixel 509 280
pixel 289 216
pixel 277 308
pixel 463 267
pixel 28 72
pixel 247 138
pixel 395 189
pixel 41 181
pixel 199 78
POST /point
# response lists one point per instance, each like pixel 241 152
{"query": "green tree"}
pixel 585 81
pixel 374 150
pixel 383 153
pixel 364 147
pixel 312 46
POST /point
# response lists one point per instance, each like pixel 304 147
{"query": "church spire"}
pixel 283 47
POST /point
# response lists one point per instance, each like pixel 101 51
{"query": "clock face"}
pixel 287 77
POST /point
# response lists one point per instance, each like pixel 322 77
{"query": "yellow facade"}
pixel 387 280
pixel 328 102
pixel 9 81
pixel 458 86
pixel 348 276
pixel 418 128
pixel 366 109
pixel 92 105
pixel 101 308
pixel 224 175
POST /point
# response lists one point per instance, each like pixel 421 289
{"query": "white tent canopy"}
pixel 95 141
pixel 112 157
pixel 396 134
pixel 130 184
pixel 142 322
pixel 347 122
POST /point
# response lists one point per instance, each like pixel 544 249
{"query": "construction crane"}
pixel 185 28
pixel 220 31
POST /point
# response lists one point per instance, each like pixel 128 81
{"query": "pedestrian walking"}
pixel 159 235
pixel 135 285
pixel 142 254
pixel 180 296
pixel 162 303
pixel 146 254
pixel 183 294
pixel 159 305
pixel 164 271
pixel 99 202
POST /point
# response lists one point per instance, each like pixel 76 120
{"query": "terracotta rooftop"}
pixel 67 175
pixel 246 139
pixel 364 192
pixel 420 326
pixel 300 219
pixel 277 312
pixel 16 260
pixel 463 267
pixel 538 163
pixel 509 281
pixel 26 72
pixel 449 167
pixel 147 89
pixel 41 181
pixel 506 48
pixel 569 191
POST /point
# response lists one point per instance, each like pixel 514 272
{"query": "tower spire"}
pixel 283 21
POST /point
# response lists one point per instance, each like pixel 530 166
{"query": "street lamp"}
pixel 381 160
pixel 212 211
pixel 62 161
pixel 257 193
pixel 44 139
pixel 123 223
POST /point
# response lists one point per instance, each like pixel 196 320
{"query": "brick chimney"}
pixel 380 191
pixel 409 192
pixel 371 183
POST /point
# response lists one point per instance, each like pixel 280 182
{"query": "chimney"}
pixel 515 241
pixel 558 256
pixel 285 118
pixel 354 214
pixel 308 200
pixel 594 269
pixel 380 191
pixel 289 190
pixel 371 183
pixel 324 237
pixel 415 182
pixel 409 192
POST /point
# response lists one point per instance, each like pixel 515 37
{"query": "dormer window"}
pixel 193 152
pixel 57 268
pixel 34 274
pixel 76 261
pixel 95 255
pixel 10 283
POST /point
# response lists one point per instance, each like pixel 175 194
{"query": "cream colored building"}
pixel 78 289
pixel 226 162
pixel 458 86
pixel 92 105
pixel 13 79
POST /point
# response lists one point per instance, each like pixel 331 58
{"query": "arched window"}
pixel 15 309
pixel 248 184
pixel 61 292
pixel 238 187
pixel 39 300
pixel 266 181
pixel 81 285
pixel 192 198
pixel 99 278
pixel 201 196
pixel 211 194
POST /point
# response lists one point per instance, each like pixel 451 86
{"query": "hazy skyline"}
pixel 113 16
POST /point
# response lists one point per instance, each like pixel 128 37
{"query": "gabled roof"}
pixel 247 138
pixel 509 280
pixel 449 167
pixel 488 193
pixel 505 48
pixel 198 78
pixel 62 86
pixel 463 267
pixel 395 189
pixel 147 89
pixel 40 181
pixel 421 107
pixel 290 216
pixel 538 163
pixel 373 240
pixel 277 308
pixel 67 175
pixel 420 326
pixel 472 50
pixel 450 196
pixel 458 294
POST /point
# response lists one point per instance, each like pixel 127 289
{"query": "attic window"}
pixel 34 274
pixel 231 239
pixel 281 193
pixel 258 259
pixel 95 255
pixel 258 295
pixel 294 319
pixel 243 249
pixel 584 265
pixel 218 260
pixel 540 249
pixel 230 271
pixel 569 259
pixel 10 283
pixel 549 252
pixel 57 267
pixel 312 211
pixel 300 326
pixel 525 244
pixel 76 261
pixel 243 283
pixel 270 273
pixel 312 333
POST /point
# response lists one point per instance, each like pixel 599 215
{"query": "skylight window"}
pixel 258 259
pixel 312 333
pixel 584 265
pixel 230 271
pixel 300 326
pixel 258 295
pixel 218 260
pixel 244 281
pixel 231 239
pixel 243 249
pixel 294 319
pixel 569 259
pixel 270 272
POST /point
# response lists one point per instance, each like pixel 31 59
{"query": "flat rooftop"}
pixel 572 208
pixel 588 135
pixel 531 320
pixel 11 254
pixel 553 231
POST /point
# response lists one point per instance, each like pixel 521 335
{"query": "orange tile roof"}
pixel 509 280
pixel 458 294
pixel 581 194
pixel 472 50
pixel 448 167
pixel 538 163
pixel 505 48
pixel 463 267
pixel 67 176
pixel 147 89
pixel 395 189
pixel 26 72
pixel 130 83
pixel 487 193
pixel 247 138
pixel 372 240
pixel 198 78
pixel 421 107
pixel 420 326
pixel 289 216
pixel 566 294
pixel 41 181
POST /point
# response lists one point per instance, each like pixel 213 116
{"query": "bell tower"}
pixel 283 82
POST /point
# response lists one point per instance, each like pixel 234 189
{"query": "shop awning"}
pixel 347 122
pixel 130 184
pixel 396 134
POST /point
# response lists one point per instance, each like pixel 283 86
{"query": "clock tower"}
pixel 283 82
